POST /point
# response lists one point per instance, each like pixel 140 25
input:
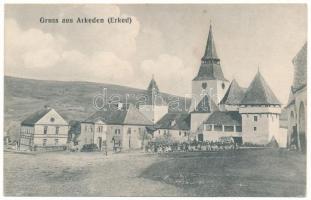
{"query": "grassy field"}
pixel 266 172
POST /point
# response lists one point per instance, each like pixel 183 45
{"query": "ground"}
pixel 261 172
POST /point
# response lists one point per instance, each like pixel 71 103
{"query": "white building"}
pixel 174 127
pixel 44 130
pixel 260 111
pixel 297 103
pixel 122 126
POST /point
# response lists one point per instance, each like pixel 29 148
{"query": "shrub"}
pixel 89 148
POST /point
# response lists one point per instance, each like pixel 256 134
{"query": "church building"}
pixel 222 109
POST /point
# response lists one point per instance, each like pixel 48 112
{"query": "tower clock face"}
pixel 204 85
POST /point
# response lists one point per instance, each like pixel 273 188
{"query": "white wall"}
pixel 214 89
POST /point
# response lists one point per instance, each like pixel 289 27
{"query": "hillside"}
pixel 74 100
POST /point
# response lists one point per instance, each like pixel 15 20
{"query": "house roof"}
pixel 123 116
pixel 227 118
pixel 300 63
pixel 174 121
pixel 259 93
pixel 234 94
pixel 35 117
pixel 210 68
pixel 206 105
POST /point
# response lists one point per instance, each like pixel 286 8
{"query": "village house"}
pixel 44 130
pixel 174 127
pixel 120 126
pixel 297 103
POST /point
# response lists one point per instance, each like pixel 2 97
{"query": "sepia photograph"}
pixel 155 100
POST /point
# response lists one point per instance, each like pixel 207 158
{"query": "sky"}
pixel 165 40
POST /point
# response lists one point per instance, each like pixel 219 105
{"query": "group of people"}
pixel 155 147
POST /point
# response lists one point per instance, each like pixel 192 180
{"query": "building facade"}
pixel 44 130
pixel 250 114
pixel 297 104
pixel 123 127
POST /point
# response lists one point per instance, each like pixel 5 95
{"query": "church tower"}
pixel 155 107
pixel 210 78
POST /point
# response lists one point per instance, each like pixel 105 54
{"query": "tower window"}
pixel 255 128
pixel 204 85
pixel 223 86
pixel 255 118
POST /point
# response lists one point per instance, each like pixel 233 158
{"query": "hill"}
pixel 74 100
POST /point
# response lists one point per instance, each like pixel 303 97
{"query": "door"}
pixel 200 137
pixel 99 143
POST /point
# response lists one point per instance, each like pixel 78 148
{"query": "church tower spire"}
pixel 210 49
pixel 210 78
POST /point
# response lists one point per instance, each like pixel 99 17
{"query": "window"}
pixel 45 131
pixel 255 118
pixel 185 133
pixel 204 85
pixel 91 129
pixel 255 128
pixel 179 133
pixel 218 127
pixel 159 131
pixel 208 127
pixel 117 131
pixel 129 131
pixel 56 141
pixel 238 128
pixel 44 142
pixel 52 119
pixel 229 128
pixel 57 130
pixel 100 129
pixel 223 86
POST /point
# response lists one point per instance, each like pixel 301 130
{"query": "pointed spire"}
pixel 210 50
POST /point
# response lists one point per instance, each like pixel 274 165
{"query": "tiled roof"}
pixel 228 118
pixel 300 63
pixel 210 71
pixel 206 105
pixel 234 94
pixel 259 93
pixel 210 68
pixel 123 116
pixel 35 117
pixel 174 121
pixel 210 50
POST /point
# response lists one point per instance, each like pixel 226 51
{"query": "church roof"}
pixel 234 94
pixel 153 86
pixel 174 121
pixel 300 63
pixel 210 50
pixel 210 71
pixel 206 105
pixel 123 116
pixel 35 117
pixel 210 68
pixel 259 93
pixel 153 95
pixel 227 118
